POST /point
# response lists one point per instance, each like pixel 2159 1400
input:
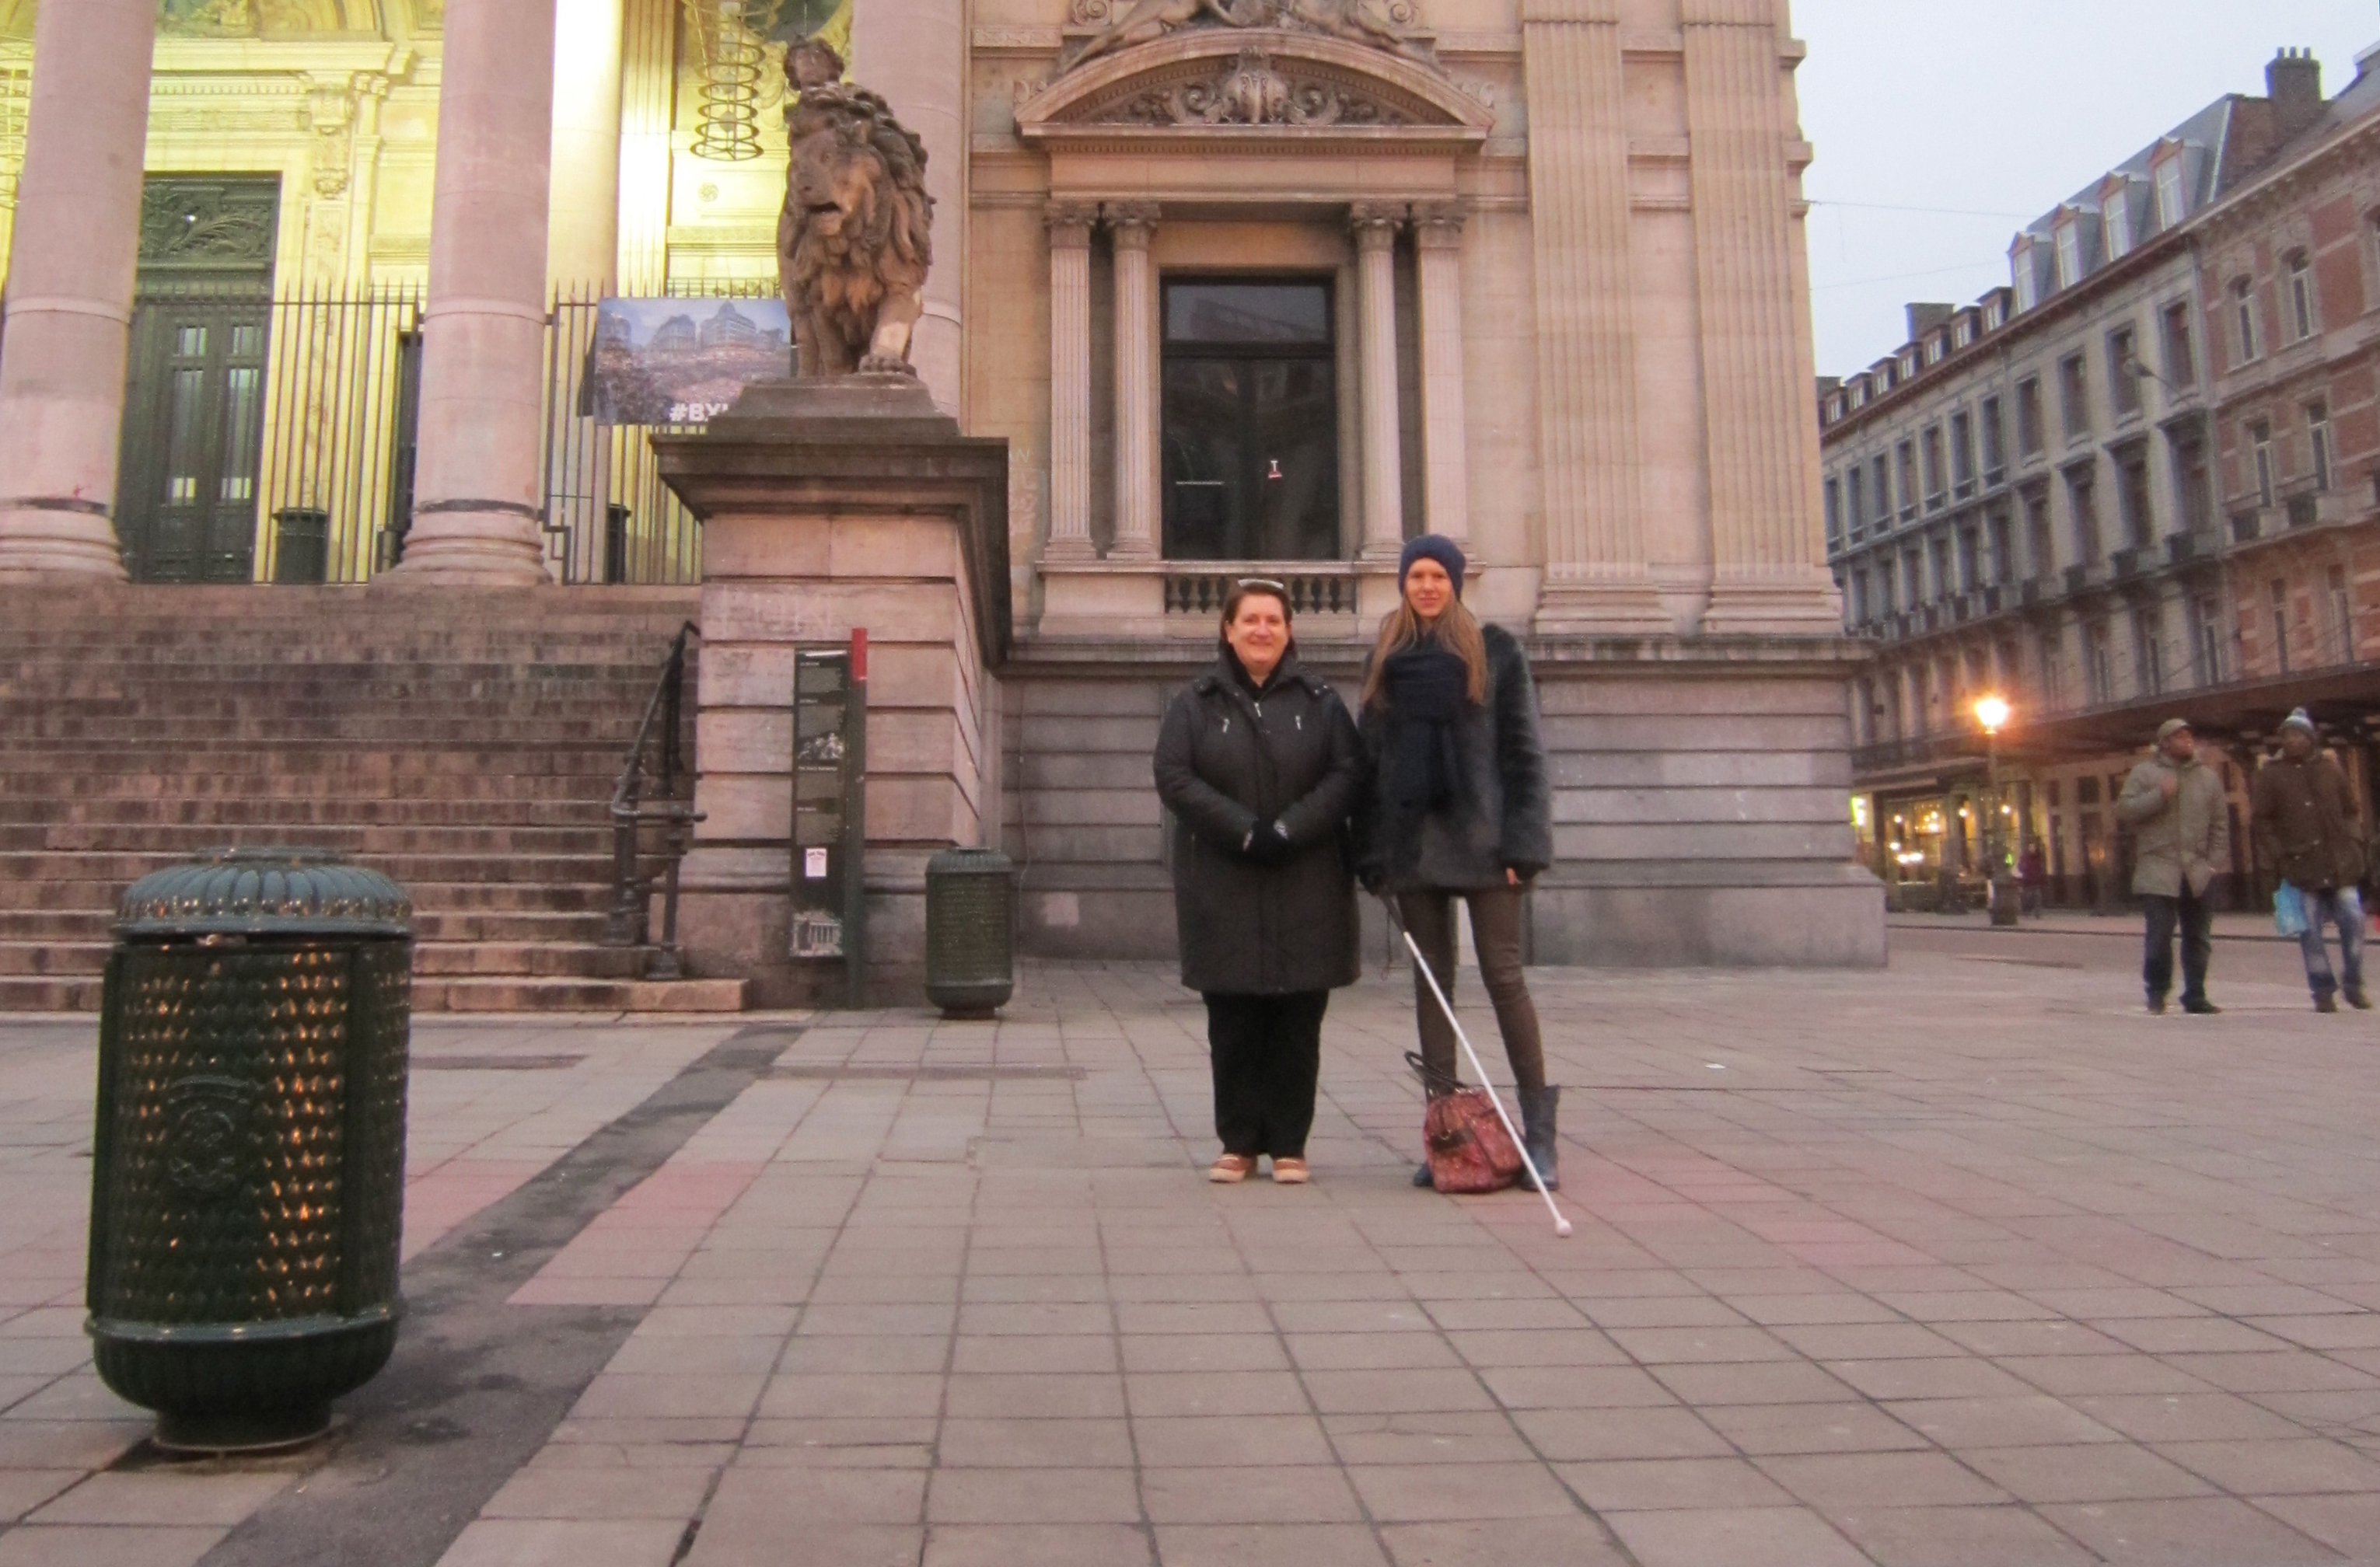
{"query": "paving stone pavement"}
pixel 1968 1263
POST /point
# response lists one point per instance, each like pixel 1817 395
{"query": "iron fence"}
pixel 342 394
pixel 333 438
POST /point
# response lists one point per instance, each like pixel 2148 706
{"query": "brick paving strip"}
pixel 1971 1263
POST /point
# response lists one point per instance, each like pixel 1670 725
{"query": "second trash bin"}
pixel 970 930
pixel 248 1162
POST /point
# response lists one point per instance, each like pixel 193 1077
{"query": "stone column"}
pixel 1070 381
pixel 583 230
pixel 1438 251
pixel 475 485
pixel 1375 344
pixel 69 300
pixel 914 52
pixel 1597 580
pixel 1767 544
pixel 1138 512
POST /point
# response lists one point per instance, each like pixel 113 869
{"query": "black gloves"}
pixel 1268 842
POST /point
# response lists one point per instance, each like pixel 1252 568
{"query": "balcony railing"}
pixel 1316 587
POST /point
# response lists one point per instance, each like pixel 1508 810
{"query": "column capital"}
pixel 1438 225
pixel 1070 223
pixel 1375 224
pixel 1132 223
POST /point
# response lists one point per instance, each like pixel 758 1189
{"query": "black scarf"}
pixel 1427 688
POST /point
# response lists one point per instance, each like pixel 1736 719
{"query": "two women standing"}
pixel 1274 794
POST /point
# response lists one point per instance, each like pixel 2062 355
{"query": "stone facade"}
pixel 1567 322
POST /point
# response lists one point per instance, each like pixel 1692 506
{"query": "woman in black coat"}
pixel 1259 763
pixel 1459 807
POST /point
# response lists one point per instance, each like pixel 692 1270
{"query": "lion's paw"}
pixel 885 365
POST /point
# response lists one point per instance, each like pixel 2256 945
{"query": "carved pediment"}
pixel 1270 82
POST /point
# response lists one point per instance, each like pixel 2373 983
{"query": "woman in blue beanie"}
pixel 1459 807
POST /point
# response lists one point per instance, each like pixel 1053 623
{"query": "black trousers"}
pixel 2195 917
pixel 1267 1053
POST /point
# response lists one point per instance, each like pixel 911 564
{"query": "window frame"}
pixel 2305 314
pixel 2243 304
pixel 2172 192
pixel 2116 224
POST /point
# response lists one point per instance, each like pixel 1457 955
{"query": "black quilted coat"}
pixel 1226 758
pixel 1501 816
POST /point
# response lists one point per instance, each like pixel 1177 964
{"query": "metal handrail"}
pixel 649 791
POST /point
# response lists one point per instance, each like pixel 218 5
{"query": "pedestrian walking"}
pixel 1261 765
pixel 2182 838
pixel 1459 807
pixel 2031 878
pixel 2308 830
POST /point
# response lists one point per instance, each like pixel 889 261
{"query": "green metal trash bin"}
pixel 970 930
pixel 248 1156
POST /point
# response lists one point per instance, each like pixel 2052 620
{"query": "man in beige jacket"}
pixel 2182 836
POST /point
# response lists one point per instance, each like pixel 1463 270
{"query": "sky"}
pixel 1942 126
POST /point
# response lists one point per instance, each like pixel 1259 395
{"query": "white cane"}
pixel 1561 1225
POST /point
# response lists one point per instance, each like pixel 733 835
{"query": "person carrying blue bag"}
pixel 2307 829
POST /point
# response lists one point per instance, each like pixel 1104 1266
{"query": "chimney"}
pixel 1923 318
pixel 2293 84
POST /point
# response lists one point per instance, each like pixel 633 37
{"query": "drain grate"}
pixel 939 1072
pixel 495 1063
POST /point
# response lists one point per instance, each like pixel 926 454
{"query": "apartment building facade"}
pixel 2141 480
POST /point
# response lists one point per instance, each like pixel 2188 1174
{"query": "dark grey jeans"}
pixel 1496 934
pixel 2195 918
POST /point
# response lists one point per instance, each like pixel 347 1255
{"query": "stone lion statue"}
pixel 855 238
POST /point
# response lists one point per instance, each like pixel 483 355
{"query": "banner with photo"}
pixel 683 361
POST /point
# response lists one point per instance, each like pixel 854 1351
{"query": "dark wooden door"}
pixel 188 494
pixel 193 441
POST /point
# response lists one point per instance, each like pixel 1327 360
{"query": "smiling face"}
pixel 1258 633
pixel 1428 589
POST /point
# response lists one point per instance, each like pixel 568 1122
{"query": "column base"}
pixel 1069 550
pixel 1615 609
pixel 38 540
pixel 1804 603
pixel 496 548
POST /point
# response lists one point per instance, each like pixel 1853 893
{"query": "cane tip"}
pixel 1561 1228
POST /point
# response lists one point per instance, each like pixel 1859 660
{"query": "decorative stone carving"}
pixel 1252 91
pixel 856 237
pixel 331 116
pixel 195 223
pixel 1392 25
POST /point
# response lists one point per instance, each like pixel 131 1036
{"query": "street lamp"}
pixel 1993 713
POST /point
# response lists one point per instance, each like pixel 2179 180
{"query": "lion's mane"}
pixel 883 244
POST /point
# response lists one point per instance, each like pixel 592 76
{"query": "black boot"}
pixel 1537 1131
pixel 1422 1176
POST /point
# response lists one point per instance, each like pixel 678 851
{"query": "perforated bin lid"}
pixel 265 892
pixel 970 862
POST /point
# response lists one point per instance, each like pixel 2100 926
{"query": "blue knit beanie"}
pixel 1432 547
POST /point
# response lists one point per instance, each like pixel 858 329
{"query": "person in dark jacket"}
pixel 2306 829
pixel 1459 807
pixel 1259 763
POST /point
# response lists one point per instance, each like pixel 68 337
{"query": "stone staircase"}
pixel 464 742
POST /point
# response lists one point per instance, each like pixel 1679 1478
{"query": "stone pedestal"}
pixel 827 507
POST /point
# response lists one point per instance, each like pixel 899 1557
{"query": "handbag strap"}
pixel 1434 1083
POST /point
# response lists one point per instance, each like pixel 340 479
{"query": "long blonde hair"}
pixel 1457 630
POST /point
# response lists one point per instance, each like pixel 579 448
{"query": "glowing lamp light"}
pixel 1992 711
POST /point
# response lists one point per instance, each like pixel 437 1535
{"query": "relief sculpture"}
pixel 1381 24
